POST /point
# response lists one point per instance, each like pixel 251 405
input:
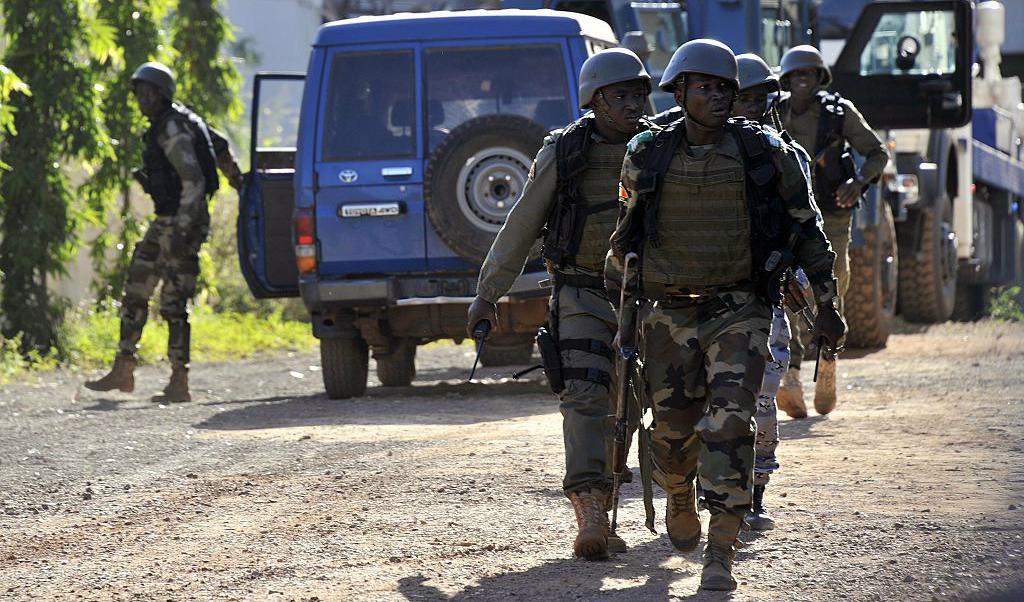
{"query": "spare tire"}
pixel 475 176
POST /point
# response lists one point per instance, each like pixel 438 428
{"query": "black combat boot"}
pixel 758 518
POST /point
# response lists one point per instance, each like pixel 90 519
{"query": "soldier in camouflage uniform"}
pixel 704 202
pixel 827 126
pixel 570 201
pixel 181 157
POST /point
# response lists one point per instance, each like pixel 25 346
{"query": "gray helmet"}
pixel 706 56
pixel 608 67
pixel 637 42
pixel 801 57
pixel 158 74
pixel 755 72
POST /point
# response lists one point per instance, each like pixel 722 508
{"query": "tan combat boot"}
pixel 592 521
pixel 120 377
pixel 176 390
pixel 719 552
pixel 791 395
pixel 681 518
pixel 825 388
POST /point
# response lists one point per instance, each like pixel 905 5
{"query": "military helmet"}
pixel 802 57
pixel 706 56
pixel 158 74
pixel 608 67
pixel 755 72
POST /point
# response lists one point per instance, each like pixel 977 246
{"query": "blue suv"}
pixel 377 196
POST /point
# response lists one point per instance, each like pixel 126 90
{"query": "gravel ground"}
pixel 264 489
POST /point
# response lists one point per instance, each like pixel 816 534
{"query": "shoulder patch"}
pixel 639 141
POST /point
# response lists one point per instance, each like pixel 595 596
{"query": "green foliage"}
pixel 10 84
pixel 207 80
pixel 54 46
pixel 1006 304
pixel 135 27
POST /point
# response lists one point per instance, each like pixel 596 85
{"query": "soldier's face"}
pixel 708 99
pixel 751 103
pixel 149 98
pixel 622 105
pixel 803 82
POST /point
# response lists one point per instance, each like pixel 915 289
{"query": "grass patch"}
pixel 90 340
pixel 1006 304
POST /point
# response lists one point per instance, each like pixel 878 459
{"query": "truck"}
pixel 952 218
pixel 378 198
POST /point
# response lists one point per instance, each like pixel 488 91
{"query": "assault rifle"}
pixel 624 359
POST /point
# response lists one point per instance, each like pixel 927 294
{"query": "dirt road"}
pixel 264 489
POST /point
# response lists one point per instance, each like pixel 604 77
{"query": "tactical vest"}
pixel 164 182
pixel 584 214
pixel 769 226
pixel 706 224
pixel 833 163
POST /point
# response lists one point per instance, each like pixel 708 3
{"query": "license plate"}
pixel 371 210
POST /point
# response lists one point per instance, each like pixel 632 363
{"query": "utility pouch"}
pixel 551 359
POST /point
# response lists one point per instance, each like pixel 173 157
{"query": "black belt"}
pixel 578 280
pixel 689 296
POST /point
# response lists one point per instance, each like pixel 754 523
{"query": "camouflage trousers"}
pixel 703 363
pixel 767 438
pixel 837 230
pixel 153 262
pixel 586 405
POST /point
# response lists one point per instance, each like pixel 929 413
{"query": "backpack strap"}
pixel 830 121
pixel 658 156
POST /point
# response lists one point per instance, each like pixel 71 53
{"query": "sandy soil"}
pixel 264 489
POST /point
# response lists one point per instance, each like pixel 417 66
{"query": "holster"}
pixel 551 359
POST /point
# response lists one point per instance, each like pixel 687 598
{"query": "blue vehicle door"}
pixel 265 249
pixel 368 158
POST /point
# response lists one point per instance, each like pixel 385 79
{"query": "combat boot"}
pixel 120 377
pixel 758 518
pixel 681 518
pixel 592 523
pixel 791 395
pixel 825 388
pixel 176 390
pixel 719 552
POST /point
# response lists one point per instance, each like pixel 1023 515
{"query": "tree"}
pixel 207 80
pixel 141 38
pixel 53 46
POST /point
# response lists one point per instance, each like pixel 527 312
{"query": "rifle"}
pixel 623 366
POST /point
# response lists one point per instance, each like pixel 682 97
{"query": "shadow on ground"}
pixel 638 574
pixel 442 403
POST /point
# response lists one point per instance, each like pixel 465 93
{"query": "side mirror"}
pixel 907 64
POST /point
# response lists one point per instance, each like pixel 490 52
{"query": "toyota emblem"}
pixel 348 176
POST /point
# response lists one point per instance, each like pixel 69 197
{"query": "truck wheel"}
pixel 971 302
pixel 928 281
pixel 507 351
pixel 398 368
pixel 474 177
pixel 870 303
pixel 344 362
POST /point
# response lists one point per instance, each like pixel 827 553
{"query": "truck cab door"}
pixel 266 251
pixel 907 64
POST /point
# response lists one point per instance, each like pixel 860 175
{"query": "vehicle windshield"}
pixel 918 42
pixel 466 82
pixel 371 106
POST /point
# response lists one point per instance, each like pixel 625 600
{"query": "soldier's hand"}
pixel 480 310
pixel 235 180
pixel 849 193
pixel 829 324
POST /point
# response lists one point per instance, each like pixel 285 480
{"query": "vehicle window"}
pixel 278 123
pixel 665 30
pixel 466 82
pixel 371 106
pixel 915 43
pixel 776 32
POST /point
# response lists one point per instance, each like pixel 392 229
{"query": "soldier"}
pixel 705 202
pixel 180 159
pixel 570 200
pixel 757 85
pixel 826 125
